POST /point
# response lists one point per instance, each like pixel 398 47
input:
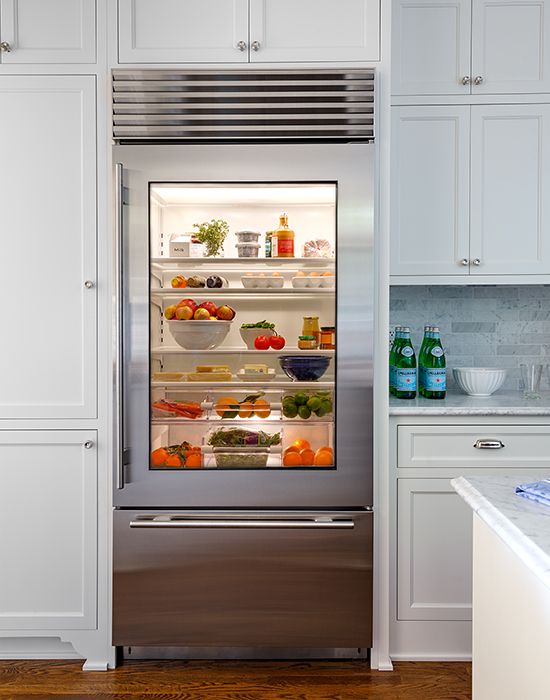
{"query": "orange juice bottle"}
pixel 285 239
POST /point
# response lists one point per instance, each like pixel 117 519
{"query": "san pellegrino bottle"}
pixel 435 372
pixel 424 348
pixel 393 354
pixel 405 367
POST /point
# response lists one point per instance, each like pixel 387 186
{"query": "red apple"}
pixel 210 307
pixel 190 303
pixel 201 314
pixel 225 313
pixel 170 312
pixel 184 313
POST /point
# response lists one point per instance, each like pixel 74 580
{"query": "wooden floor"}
pixel 235 680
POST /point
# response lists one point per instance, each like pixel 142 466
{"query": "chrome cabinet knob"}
pixel 88 444
pixel 488 444
pixel 241 45
pixel 478 80
pixel 476 262
pixel 255 45
pixel 464 261
pixel 4 46
pixel 88 284
pixel 466 80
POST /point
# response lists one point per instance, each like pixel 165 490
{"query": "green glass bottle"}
pixel 393 354
pixel 405 363
pixel 435 373
pixel 421 355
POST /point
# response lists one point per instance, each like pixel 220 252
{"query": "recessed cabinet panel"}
pixel 510 189
pixel 48 31
pixel 314 30
pixel 431 47
pixel 48 262
pixel 430 190
pixel 434 550
pixel 172 31
pixel 48 517
pixel 511 45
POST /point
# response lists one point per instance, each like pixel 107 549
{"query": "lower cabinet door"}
pixel 434 551
pixel 271 579
pixel 48 521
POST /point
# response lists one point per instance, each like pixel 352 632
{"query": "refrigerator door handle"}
pixel 118 335
pixel 167 521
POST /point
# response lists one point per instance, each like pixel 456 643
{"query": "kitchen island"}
pixel 511 588
pixel 509 403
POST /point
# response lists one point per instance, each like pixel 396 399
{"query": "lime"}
pixel 313 403
pixel 300 398
pixel 290 411
pixel 326 405
pixel 320 412
pixel 304 412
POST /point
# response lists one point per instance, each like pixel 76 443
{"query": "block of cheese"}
pixel 169 376
pixel 212 368
pixel 256 369
pixel 209 376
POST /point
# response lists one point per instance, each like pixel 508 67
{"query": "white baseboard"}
pixel 432 657
pixel 36 648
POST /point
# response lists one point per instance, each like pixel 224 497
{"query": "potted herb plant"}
pixel 213 234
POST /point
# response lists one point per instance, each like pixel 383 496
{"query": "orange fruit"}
pixel 246 409
pixel 159 457
pixel 173 461
pixel 262 408
pixel 194 460
pixel 301 444
pixel 292 448
pixel 292 459
pixel 226 403
pixel 307 456
pixel 323 458
pixel 326 448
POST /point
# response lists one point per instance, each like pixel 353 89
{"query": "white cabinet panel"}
pixel 48 31
pixel 511 45
pixel 314 30
pixel 510 189
pixel 431 47
pixel 434 551
pixel 430 190
pixel 48 224
pixel 172 31
pixel 48 517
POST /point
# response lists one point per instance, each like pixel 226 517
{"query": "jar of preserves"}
pixel 307 342
pixel 283 240
pixel 311 327
pixel 327 338
pixel 269 244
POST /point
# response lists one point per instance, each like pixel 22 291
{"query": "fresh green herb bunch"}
pixel 259 324
pixel 213 234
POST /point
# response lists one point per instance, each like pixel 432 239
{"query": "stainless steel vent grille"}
pixel 174 106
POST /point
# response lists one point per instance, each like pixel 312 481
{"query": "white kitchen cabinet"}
pixel 314 30
pixel 471 47
pixel 48 262
pixel 47 31
pixel 470 190
pixel 48 514
pixel 193 31
pixel 430 190
pixel 236 31
pixel 510 189
pixel 431 47
pixel 434 551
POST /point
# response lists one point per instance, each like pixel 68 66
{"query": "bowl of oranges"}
pixel 301 454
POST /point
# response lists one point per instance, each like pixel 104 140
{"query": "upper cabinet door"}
pixel 510 189
pixel 183 31
pixel 48 262
pixel 511 46
pixel 430 190
pixel 48 31
pixel 431 47
pixel 314 30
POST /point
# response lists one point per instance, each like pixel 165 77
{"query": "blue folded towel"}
pixel 538 491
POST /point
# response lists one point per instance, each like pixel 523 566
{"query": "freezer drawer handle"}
pixel 315 524
pixel 488 444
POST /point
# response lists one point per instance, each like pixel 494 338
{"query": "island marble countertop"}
pixel 500 404
pixel 522 524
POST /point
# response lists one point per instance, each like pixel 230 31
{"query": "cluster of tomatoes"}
pixel 264 342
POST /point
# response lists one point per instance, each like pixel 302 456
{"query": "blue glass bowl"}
pixel 302 368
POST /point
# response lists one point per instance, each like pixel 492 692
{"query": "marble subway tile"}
pixel 473 327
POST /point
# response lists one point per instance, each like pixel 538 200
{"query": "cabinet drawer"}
pixel 455 446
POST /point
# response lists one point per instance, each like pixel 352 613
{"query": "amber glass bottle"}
pixel 285 239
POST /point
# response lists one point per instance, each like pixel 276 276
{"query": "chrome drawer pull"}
pixel 488 444
pixel 163 521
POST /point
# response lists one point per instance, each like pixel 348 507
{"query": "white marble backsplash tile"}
pixel 488 326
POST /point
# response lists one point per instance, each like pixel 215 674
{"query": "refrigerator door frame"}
pixel 349 485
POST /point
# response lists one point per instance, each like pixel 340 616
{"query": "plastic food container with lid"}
pixel 248 250
pixel 247 236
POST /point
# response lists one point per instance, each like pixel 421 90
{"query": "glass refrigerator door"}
pixel 243 325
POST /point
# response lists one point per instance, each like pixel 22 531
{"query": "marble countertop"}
pixel 522 524
pixel 500 404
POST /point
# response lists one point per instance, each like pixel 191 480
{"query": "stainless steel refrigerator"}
pixel 243 475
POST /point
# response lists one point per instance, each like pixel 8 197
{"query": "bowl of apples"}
pixel 199 327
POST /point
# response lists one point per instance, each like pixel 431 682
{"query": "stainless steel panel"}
pixel 252 587
pixel 350 484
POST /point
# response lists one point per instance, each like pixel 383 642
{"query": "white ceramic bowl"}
pixel 265 282
pixel 199 335
pixel 249 335
pixel 479 381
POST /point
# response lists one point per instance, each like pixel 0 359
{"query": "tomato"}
pixel 261 342
pixel 277 342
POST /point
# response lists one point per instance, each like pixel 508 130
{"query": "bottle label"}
pixel 437 351
pixel 405 378
pixel 274 246
pixel 285 246
pixel 407 351
pixel 435 379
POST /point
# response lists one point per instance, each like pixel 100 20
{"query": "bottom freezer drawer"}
pixel 276 579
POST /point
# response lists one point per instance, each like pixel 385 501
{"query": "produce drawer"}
pixel 465 446
pixel 248 578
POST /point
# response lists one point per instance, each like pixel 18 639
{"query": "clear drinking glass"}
pixel 530 376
